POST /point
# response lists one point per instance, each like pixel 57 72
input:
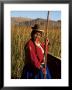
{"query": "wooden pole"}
pixel 46 46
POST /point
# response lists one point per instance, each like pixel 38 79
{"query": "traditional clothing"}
pixel 34 55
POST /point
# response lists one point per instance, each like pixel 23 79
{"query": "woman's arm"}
pixel 33 57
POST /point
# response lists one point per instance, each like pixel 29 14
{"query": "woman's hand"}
pixel 43 69
pixel 47 41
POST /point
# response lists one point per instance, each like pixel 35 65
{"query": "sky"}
pixel 53 15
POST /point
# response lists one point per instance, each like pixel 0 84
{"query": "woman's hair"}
pixel 32 33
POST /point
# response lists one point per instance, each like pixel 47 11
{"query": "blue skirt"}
pixel 28 74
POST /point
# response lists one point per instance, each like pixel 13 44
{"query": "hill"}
pixel 21 21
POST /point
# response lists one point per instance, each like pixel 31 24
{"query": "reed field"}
pixel 19 36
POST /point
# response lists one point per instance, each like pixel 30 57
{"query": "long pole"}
pixel 45 50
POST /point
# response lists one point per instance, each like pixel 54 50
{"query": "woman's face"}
pixel 37 36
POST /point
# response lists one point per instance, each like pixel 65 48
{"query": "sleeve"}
pixel 33 57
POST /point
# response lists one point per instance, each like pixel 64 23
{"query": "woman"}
pixel 34 56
